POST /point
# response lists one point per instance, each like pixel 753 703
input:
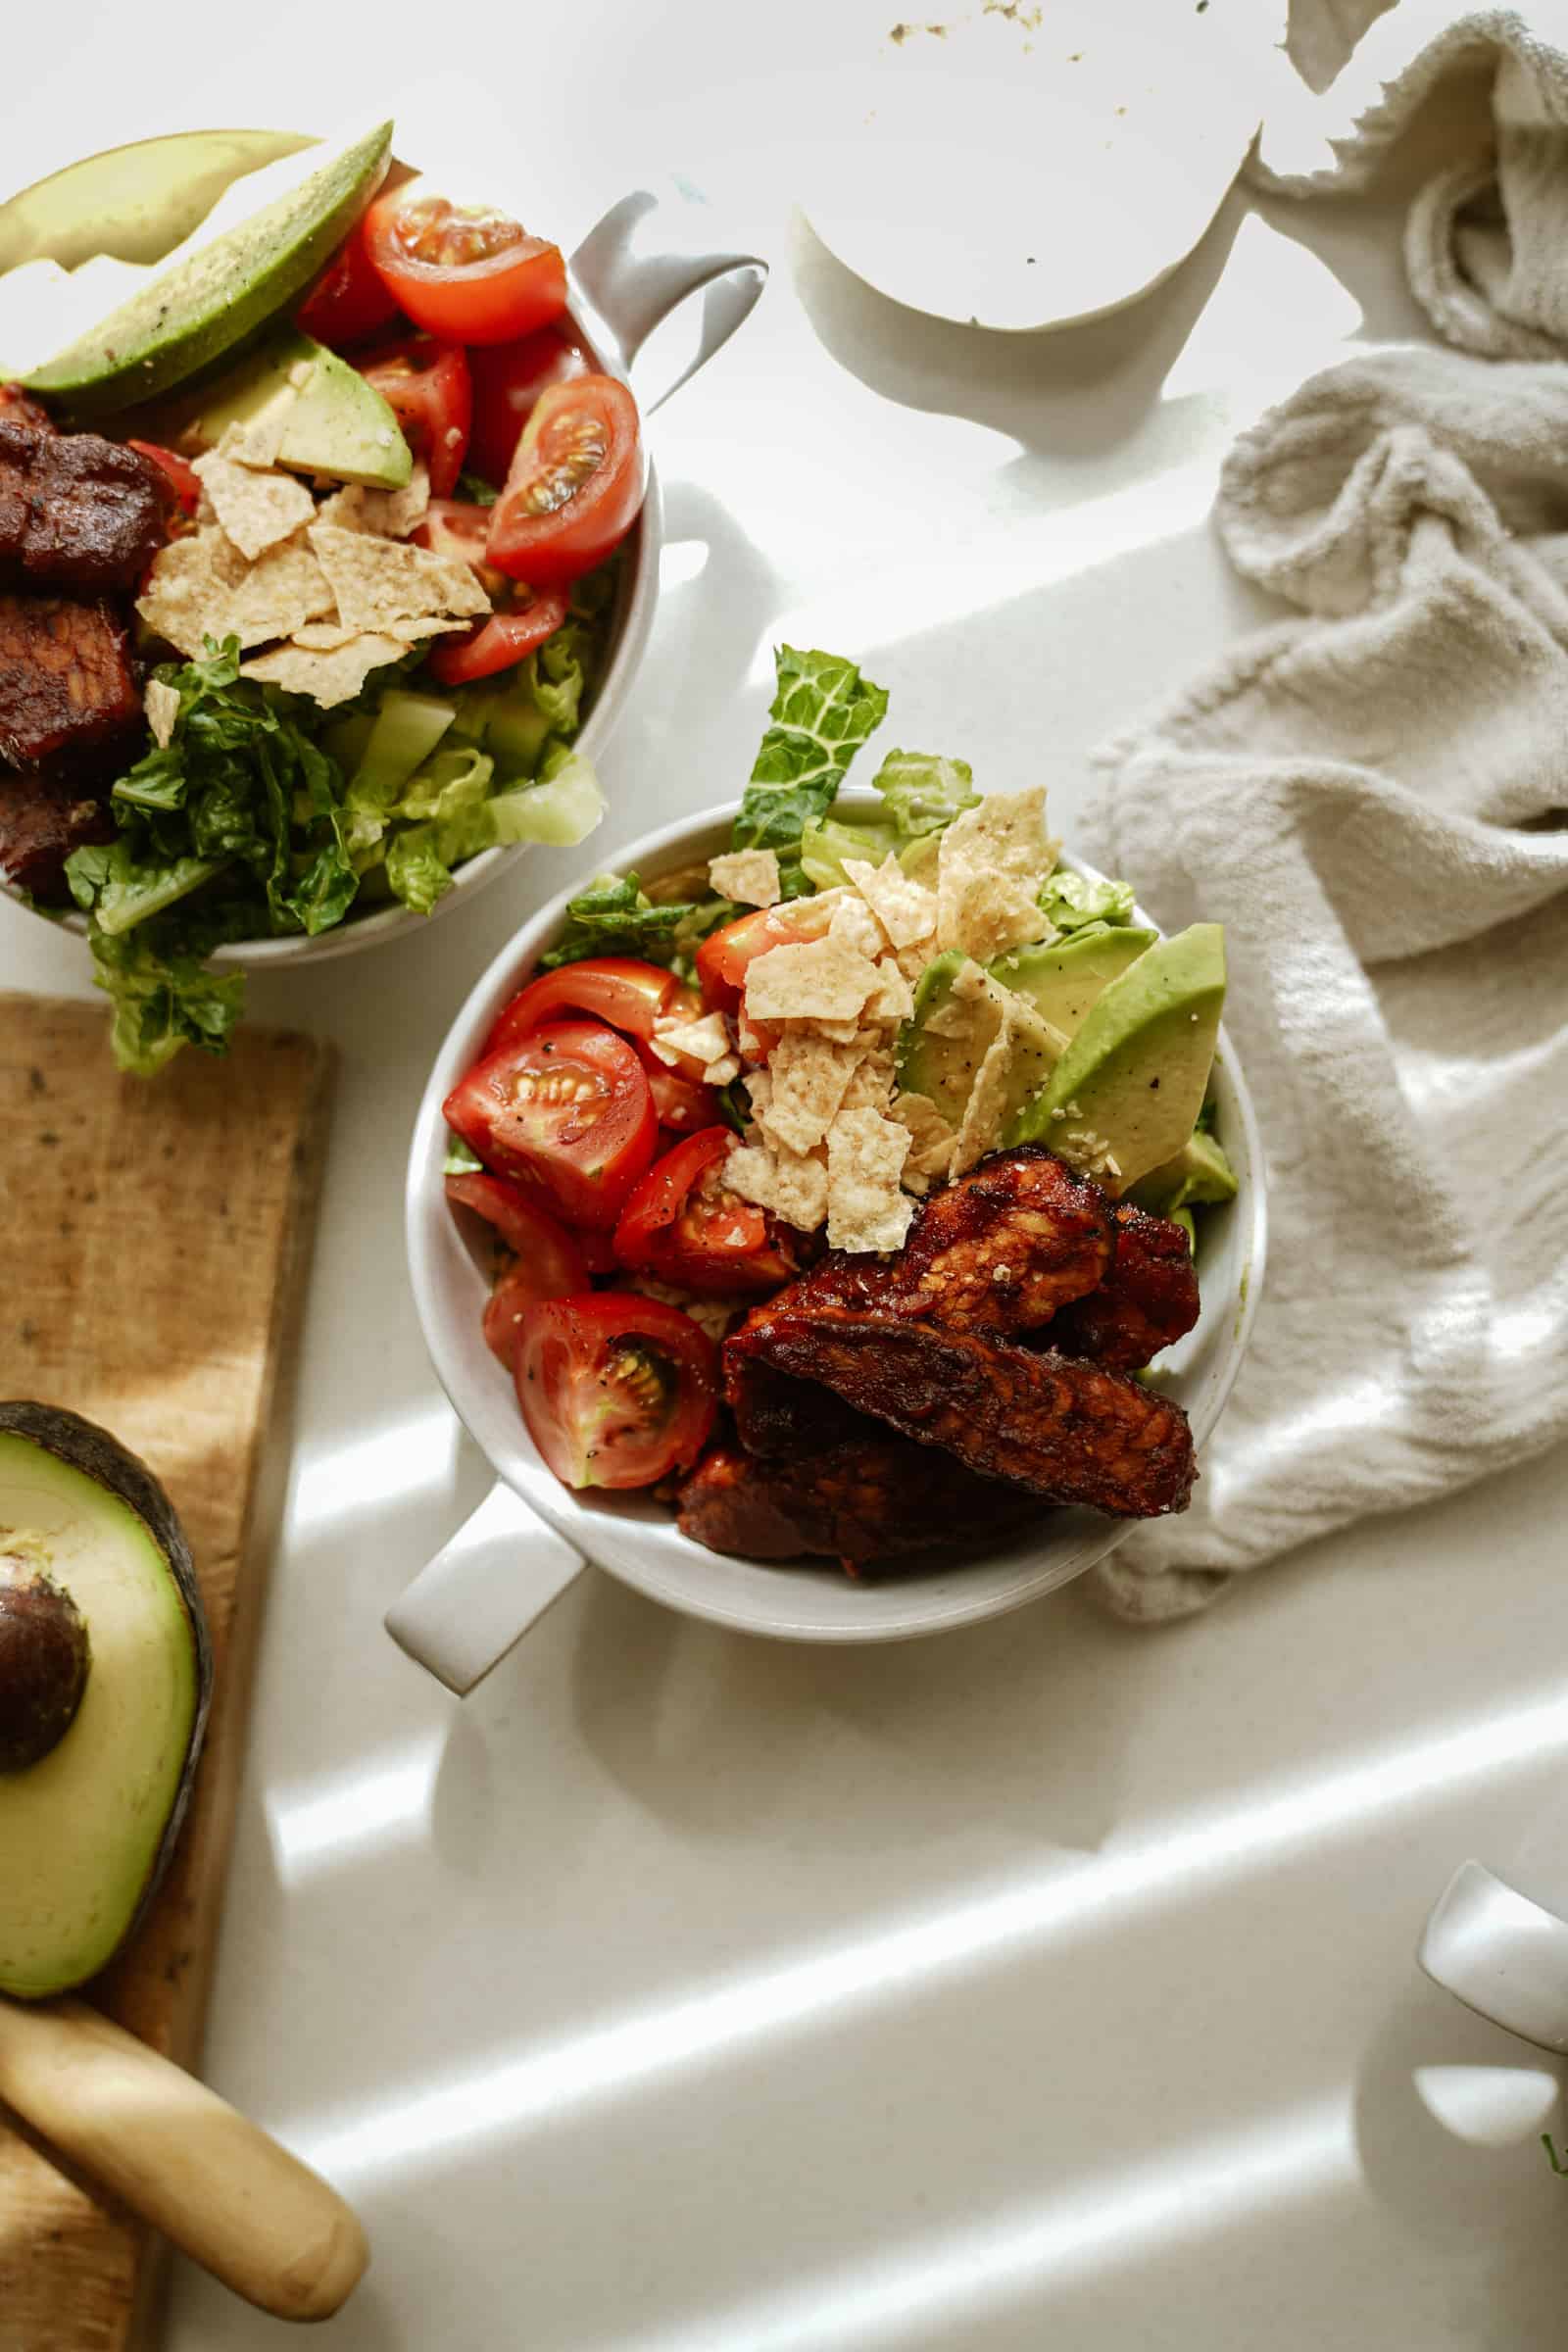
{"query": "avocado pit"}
pixel 44 1657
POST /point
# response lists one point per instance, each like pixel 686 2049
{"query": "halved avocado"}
pixel 209 301
pixel 105 1680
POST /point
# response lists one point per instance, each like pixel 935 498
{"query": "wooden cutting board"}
pixel 154 1242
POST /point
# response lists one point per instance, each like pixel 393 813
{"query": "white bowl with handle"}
pixel 645 257
pixel 531 1536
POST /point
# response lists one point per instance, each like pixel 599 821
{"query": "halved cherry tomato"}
pixel 507 379
pixel 682 1105
pixel 181 477
pixel 619 990
pixel 723 955
pixel 457 527
pixel 574 485
pixel 567 1106
pixel 464 271
pixel 499 643
pixel 524 1226
pixel 616 1391
pixel 684 1224
pixel 349 300
pixel 427 386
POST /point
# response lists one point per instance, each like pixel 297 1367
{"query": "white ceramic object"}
pixel 534 1536
pixel 1023 166
pixel 1501 1953
pixel 643 259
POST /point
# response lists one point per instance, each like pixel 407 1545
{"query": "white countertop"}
pixel 1048 1982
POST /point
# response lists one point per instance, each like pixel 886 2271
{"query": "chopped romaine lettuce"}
pixel 460 1160
pixel 1073 903
pixel 923 792
pixel 826 843
pixel 615 916
pixel 821 714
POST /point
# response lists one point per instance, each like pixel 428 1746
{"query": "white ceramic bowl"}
pixel 471 1602
pixel 633 269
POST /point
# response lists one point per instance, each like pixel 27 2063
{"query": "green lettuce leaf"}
pixel 822 714
pixel 449 811
pixel 923 792
pixel 615 916
pixel 1073 903
pixel 161 993
pixel 826 843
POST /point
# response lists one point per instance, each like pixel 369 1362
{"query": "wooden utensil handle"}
pixel 183 2158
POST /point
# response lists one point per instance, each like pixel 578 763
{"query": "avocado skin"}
pixel 83 1445
pixel 183 319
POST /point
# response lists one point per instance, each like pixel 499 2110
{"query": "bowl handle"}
pixel 478 1596
pixel 636 265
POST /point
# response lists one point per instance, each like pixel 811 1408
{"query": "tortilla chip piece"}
pixel 870 1086
pixel 255 510
pixel 375 581
pixel 162 705
pixel 258 441
pixel 706 1040
pixel 808 1082
pixel 379 514
pixel 793 1186
pixel 931 1138
pixel 326 677
pixel 748 876
pixel 853 922
pixel 893 1000
pixel 992 861
pixel 189 588
pixel 815 979
pixel 1016 1063
pixel 866 1207
pixel 907 911
pixel 283 588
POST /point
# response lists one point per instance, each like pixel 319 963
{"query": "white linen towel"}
pixel 1366 797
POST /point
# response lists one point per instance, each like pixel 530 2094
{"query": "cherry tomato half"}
pixel 616 1391
pixel 574 485
pixel 567 1108
pixel 349 300
pixel 428 389
pixel 507 379
pixel 723 955
pixel 685 1225
pixel 499 643
pixel 464 271
pixel 682 1105
pixel 619 990
pixel 181 477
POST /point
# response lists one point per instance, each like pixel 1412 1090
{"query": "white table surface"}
pixel 1049 1983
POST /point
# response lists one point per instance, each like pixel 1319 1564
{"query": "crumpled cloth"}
pixel 1366 796
pixel 1487 233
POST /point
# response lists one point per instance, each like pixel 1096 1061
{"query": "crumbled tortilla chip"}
pixel 893 1000
pixel 816 979
pixel 706 1040
pixel 283 588
pixel 837 1032
pixel 931 1138
pixel 190 587
pixel 992 861
pixel 375 581
pixel 326 677
pixel 748 876
pixel 253 509
pixel 853 922
pixel 866 1207
pixel 793 1186
pixel 907 911
pixel 162 705
pixel 809 1079
pixel 379 514
pixel 258 439
pixel 870 1086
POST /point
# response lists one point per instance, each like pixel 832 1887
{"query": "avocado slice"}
pixel 105 1678
pixel 1066 981
pixel 1126 1094
pixel 1199 1172
pixel 202 305
pixel 950 1032
pixel 334 421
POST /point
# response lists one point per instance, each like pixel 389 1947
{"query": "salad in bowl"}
pixel 844 1192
